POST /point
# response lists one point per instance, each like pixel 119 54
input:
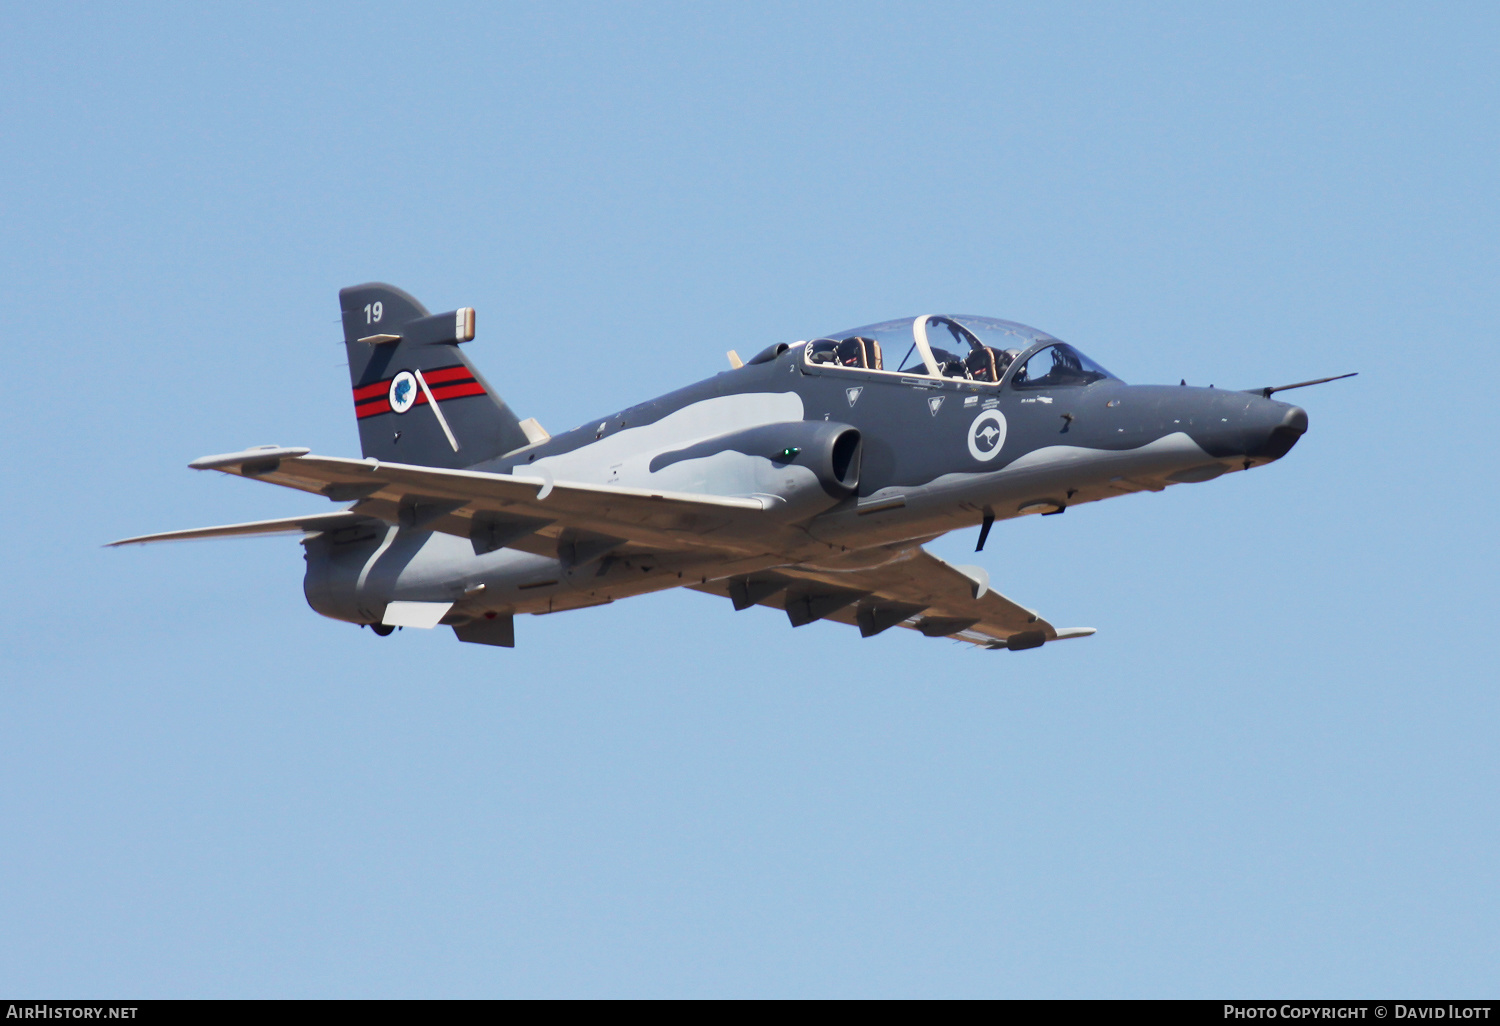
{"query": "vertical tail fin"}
pixel 416 396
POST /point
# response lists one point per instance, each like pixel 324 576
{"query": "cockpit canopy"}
pixel 958 346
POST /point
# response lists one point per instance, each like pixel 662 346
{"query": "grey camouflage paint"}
pixel 920 456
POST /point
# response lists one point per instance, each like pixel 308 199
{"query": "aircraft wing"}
pixel 502 507
pixel 916 590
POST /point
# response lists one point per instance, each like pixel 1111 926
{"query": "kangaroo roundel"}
pixel 986 435
pixel 403 391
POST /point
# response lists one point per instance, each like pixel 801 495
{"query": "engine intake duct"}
pixel 829 449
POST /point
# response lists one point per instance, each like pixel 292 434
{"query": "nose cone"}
pixel 1283 435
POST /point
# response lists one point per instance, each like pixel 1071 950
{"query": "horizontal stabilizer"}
pixel 285 525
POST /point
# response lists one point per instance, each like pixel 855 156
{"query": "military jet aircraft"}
pixel 806 478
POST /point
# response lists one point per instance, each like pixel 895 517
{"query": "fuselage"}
pixel 854 462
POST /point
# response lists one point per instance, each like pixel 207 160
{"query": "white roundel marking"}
pixel 404 392
pixel 987 435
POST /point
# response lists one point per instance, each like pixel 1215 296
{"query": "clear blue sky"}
pixel 1272 772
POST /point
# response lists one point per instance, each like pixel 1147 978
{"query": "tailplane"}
pixel 416 396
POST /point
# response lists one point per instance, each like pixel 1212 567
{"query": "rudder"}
pixel 416 396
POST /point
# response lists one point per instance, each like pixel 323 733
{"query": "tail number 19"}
pixel 373 312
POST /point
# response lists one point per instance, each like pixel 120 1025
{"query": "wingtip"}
pixel 225 460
